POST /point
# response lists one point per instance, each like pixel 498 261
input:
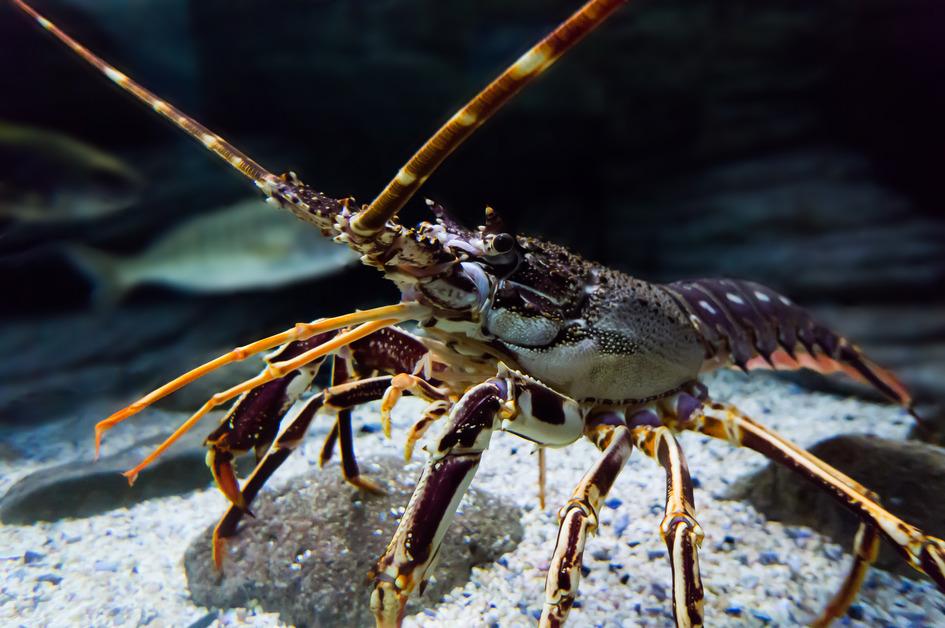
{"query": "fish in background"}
pixel 49 177
pixel 245 246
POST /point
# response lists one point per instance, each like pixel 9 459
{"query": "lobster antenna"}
pixel 216 144
pixel 483 105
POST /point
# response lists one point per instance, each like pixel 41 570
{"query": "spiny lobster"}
pixel 518 335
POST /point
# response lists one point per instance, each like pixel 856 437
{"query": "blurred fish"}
pixel 248 245
pixel 50 177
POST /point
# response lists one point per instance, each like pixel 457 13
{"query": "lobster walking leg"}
pixel 433 413
pixel 272 372
pixel 924 553
pixel 679 529
pixel 394 351
pixel 253 421
pixel 578 517
pixel 448 472
pixel 510 402
pixel 865 550
pixel 405 382
pixel 301 331
pixel 339 398
pixel 349 463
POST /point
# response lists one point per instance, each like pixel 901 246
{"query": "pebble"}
pixel 659 591
pixel 855 611
pixel 621 523
pixel 761 616
pixel 106 565
pixel 30 557
pixel 50 577
pixel 769 558
pixel 798 532
pixel 833 552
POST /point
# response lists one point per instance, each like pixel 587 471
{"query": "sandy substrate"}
pixel 123 568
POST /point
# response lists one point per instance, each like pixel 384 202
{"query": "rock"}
pixel 307 552
pixel 86 488
pixel 909 476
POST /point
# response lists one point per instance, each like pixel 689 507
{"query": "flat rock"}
pixel 86 488
pixel 307 552
pixel 909 477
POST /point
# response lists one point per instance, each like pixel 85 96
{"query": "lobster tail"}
pixel 754 327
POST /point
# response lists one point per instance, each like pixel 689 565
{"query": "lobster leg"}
pixel 510 402
pixel 865 550
pixel 413 549
pixel 301 331
pixel 339 398
pixel 406 382
pixel 343 395
pixel 433 413
pixel 253 421
pixel 924 553
pixel 392 350
pixel 349 463
pixel 274 371
pixel 679 529
pixel 328 447
pixel 578 517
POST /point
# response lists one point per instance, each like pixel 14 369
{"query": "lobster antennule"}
pixel 483 105
pixel 757 328
pixel 213 142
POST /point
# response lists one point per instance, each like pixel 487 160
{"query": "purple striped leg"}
pixel 253 420
pixel 865 550
pixel 342 431
pixel 510 402
pixel 394 351
pixel 433 413
pixel 406 382
pixel 924 553
pixel 447 474
pixel 579 517
pixel 338 398
pixel 679 529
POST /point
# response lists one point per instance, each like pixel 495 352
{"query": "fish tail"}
pixel 103 271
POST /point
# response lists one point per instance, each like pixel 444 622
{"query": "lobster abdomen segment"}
pixel 756 328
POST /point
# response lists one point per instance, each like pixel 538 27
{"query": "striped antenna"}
pixel 226 151
pixel 409 179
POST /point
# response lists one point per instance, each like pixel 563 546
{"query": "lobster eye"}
pixel 503 243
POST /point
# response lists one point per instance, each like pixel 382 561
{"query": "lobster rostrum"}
pixel 519 335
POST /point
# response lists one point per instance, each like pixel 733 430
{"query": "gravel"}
pixel 124 567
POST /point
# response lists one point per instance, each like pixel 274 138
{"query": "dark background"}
pixel 794 143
